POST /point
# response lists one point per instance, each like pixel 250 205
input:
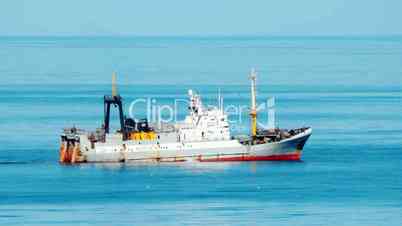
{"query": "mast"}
pixel 114 88
pixel 253 108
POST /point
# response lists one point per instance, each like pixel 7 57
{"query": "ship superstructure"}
pixel 204 135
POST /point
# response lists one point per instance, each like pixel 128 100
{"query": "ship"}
pixel 203 136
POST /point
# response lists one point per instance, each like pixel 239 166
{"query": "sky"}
pixel 201 17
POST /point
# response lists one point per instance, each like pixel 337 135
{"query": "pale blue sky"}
pixel 202 17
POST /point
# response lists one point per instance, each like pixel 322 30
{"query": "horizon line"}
pixel 200 35
pixel 196 84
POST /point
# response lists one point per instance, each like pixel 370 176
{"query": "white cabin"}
pixel 203 124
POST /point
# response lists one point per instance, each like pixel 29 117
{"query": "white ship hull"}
pixel 229 150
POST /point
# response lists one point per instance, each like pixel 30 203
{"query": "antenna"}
pixel 219 99
pixel 222 104
pixel 114 88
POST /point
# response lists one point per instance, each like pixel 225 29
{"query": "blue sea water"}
pixel 349 89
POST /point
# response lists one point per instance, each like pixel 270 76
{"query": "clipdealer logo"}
pixel 156 112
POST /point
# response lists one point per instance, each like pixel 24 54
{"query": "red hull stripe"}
pixel 284 157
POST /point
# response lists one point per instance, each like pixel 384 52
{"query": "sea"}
pixel 348 89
